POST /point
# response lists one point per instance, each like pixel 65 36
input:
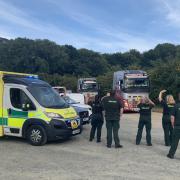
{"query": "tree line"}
pixel 64 64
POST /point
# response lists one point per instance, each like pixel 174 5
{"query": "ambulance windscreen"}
pixel 47 97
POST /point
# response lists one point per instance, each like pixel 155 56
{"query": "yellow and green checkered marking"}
pixel 3 121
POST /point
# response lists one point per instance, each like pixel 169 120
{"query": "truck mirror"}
pixel 99 86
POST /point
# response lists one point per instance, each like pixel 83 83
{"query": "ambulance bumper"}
pixel 58 129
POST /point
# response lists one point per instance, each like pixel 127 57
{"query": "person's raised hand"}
pixel 163 91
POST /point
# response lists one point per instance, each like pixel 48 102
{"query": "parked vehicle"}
pixel 32 109
pixel 83 110
pixel 61 90
pixel 78 97
pixel 132 85
pixel 89 87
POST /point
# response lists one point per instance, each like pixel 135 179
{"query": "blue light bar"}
pixel 33 77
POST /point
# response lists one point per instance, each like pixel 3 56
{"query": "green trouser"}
pixel 112 127
pixel 175 141
pixel 147 123
pixel 168 129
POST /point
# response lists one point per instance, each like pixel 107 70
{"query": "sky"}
pixel 105 26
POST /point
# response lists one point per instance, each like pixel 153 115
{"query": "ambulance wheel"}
pixel 36 135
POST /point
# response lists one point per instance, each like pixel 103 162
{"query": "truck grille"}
pixel 134 100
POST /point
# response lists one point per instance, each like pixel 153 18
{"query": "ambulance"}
pixel 30 108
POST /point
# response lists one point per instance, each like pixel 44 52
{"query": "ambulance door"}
pixel 16 106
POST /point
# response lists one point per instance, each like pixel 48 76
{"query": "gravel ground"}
pixel 80 159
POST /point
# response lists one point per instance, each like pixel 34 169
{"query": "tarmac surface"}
pixel 79 159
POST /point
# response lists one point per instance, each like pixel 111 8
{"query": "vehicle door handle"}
pixel 9 111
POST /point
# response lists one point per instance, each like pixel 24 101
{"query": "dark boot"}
pixel 92 133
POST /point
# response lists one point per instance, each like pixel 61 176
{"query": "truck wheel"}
pixel 36 135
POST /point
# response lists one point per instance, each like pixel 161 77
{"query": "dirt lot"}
pixel 80 159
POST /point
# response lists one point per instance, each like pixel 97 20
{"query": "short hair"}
pixel 112 93
pixel 96 98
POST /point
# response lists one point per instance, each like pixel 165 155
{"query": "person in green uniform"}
pixel 168 105
pixel 175 120
pixel 96 119
pixel 145 107
pixel 113 110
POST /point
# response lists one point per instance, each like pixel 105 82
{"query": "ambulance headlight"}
pixel 53 115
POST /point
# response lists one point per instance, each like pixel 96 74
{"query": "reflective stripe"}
pixel 38 114
pixel 5 113
pixel 65 113
pixel 16 122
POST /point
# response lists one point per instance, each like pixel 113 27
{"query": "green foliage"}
pixel 56 80
pixel 63 65
pixel 165 76
pixel 105 82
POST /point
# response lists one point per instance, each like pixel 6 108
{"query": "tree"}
pixel 165 76
pixel 62 65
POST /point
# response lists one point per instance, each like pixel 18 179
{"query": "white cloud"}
pixel 6 35
pixel 105 39
pixel 108 38
pixel 11 14
pixel 171 11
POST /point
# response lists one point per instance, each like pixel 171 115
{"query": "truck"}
pixel 61 90
pixel 89 87
pixel 30 108
pixel 131 85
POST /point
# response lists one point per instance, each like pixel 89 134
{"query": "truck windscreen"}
pixel 90 86
pixel 136 83
pixel 47 97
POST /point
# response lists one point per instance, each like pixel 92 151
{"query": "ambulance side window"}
pixel 20 100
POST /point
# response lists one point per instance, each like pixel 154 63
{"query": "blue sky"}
pixel 100 25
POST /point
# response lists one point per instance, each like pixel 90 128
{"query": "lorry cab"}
pixel 132 86
pixel 61 90
pixel 89 87
pixel 32 109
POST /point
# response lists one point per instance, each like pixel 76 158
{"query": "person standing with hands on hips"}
pixel 113 110
pixel 168 105
pixel 145 107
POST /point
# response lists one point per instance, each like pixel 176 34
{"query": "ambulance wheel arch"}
pixel 35 131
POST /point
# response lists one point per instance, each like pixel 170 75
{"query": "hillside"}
pixel 62 65
pixel 3 40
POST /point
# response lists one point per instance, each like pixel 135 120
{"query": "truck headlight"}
pixel 52 115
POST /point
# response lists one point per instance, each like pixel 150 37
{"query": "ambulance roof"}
pixel 27 81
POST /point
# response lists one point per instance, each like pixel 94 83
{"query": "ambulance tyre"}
pixel 36 135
